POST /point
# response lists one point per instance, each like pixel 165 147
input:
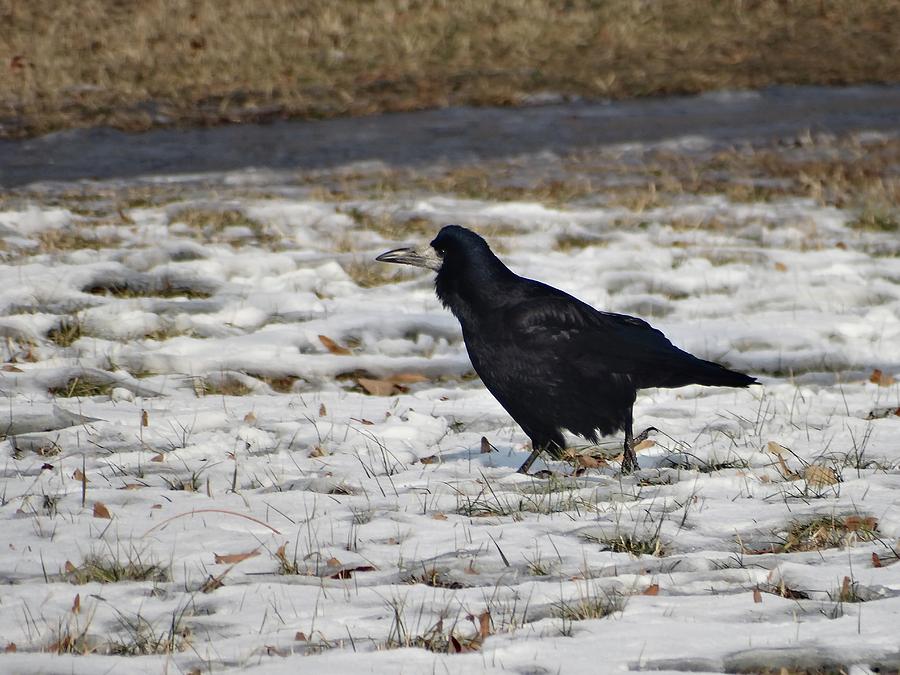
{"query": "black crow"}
pixel 552 361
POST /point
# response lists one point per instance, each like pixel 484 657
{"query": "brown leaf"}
pixel 69 567
pixel 855 523
pixel 776 448
pixel 232 558
pixel 9 368
pixel 380 387
pixel 76 604
pixel 781 267
pixel 300 636
pixel 10 648
pixel 250 418
pixel 876 561
pixel 145 418
pixel 484 624
pixel 77 475
pixel 845 589
pixel 333 562
pixel 407 378
pixel 455 646
pixel 322 410
pixel 589 462
pixel 881 379
pixel 158 458
pixel 486 446
pixel 347 572
pixel 431 459
pixel 785 471
pixel 652 589
pixel 333 346
pixel 317 451
pixel 439 516
pixel 643 445
pixel 757 596
pixel 819 476
pixel 280 553
pixel 100 510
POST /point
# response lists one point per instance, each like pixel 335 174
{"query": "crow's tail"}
pixel 710 374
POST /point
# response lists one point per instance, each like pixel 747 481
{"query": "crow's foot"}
pixel 629 459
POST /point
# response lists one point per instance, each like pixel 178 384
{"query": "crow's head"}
pixel 454 247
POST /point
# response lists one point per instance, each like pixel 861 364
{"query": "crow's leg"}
pixel 551 442
pixel 535 453
pixel 629 460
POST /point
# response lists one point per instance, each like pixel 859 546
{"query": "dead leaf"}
pixel 9 368
pixel 780 267
pixel 484 624
pixel 881 379
pixel 145 418
pixel 333 562
pixel 212 583
pixel 100 511
pixel 156 506
pixel 643 445
pixel 317 451
pixel 158 458
pixel 431 459
pixel 486 446
pixel 652 589
pixel 408 378
pixel 757 596
pixel 589 462
pixel 820 476
pixel 776 448
pixel 77 475
pixel 333 346
pixel 250 418
pixel 10 648
pixel 280 553
pixel 347 572
pixel 439 516
pixel 232 558
pixel 76 604
pixel 380 387
pixel 322 410
pixel 455 645
pixel 300 636
pixel 845 588
pixel 855 523
pixel 876 561
pixel 785 470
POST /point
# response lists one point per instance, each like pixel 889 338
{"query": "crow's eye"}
pixel 440 250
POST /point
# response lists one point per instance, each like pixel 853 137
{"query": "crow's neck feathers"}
pixel 471 279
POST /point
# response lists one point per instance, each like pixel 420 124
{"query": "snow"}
pixel 397 525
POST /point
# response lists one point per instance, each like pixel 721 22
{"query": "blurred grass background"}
pixel 135 64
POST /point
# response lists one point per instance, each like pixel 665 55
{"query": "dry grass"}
pixel 77 387
pixel 114 569
pixel 137 65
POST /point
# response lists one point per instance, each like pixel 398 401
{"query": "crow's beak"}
pixel 409 256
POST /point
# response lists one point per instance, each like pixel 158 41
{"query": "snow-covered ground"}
pixel 285 439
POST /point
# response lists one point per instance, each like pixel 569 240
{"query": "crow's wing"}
pixel 564 328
